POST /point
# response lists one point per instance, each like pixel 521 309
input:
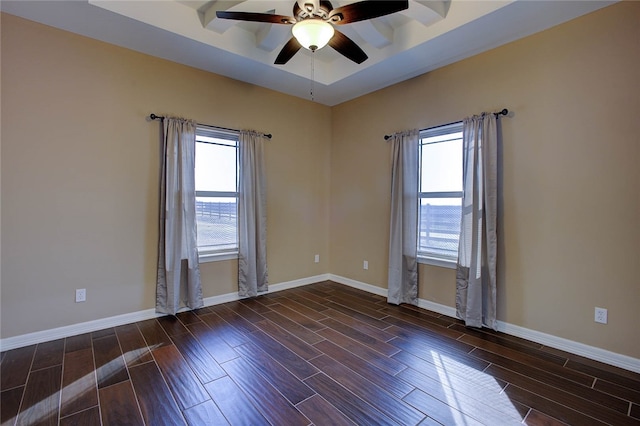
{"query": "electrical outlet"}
pixel 601 315
pixel 365 265
pixel 317 258
pixel 81 295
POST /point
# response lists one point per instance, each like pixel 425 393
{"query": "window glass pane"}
pixel 216 166
pixel 439 227
pixel 441 164
pixel 217 222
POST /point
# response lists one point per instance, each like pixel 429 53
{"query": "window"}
pixel 216 176
pixel 440 194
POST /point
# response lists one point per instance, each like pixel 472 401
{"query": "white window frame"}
pixel 425 257
pixel 227 253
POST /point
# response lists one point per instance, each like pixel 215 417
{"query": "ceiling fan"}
pixel 313 24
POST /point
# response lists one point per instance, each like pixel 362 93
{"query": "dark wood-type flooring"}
pixel 323 354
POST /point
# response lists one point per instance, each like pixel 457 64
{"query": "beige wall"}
pixel 80 173
pixel 570 201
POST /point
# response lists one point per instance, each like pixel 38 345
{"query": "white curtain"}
pixel 476 268
pixel 252 216
pixel 403 239
pixel 178 279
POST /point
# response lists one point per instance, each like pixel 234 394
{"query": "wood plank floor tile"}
pixel 305 307
pixel 153 334
pixel 487 405
pixel 134 347
pixel 381 361
pixel 362 327
pixel 15 367
pixel 359 411
pixel 291 342
pixel 78 382
pixel 555 380
pixel 273 406
pixel 368 391
pixel 77 343
pixel 292 327
pixel 424 349
pixel 110 366
pixel 626 379
pixel 474 383
pixel 635 411
pixel 197 357
pixel 354 305
pixel 360 337
pixel 234 404
pixel 295 364
pixel 245 311
pixel 157 404
pixel 549 407
pixel 48 354
pixel 231 335
pixel 321 413
pixel 87 417
pixel 536 418
pixel 491 352
pixel 41 400
pixel 577 403
pixel 233 318
pixel 187 317
pixel 103 333
pixel 421 318
pixel 172 325
pixel 213 341
pixel 257 304
pixel 374 321
pixel 444 338
pixel 10 404
pixel 280 378
pixel 206 413
pixel 396 386
pixel 295 316
pixel 617 390
pixel 440 411
pixel 511 344
pixel 118 405
pixel 184 385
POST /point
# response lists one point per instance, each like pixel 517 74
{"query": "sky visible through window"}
pixel 441 164
pixel 215 165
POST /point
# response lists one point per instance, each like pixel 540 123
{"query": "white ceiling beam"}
pixel 208 15
pixel 427 11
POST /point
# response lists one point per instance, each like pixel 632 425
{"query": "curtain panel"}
pixel 178 279
pixel 476 266
pixel 252 216
pixel 403 234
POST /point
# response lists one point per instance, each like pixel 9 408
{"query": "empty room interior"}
pixel 80 170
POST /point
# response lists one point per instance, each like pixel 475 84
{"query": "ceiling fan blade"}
pixel 256 17
pixel 287 52
pixel 367 9
pixel 345 46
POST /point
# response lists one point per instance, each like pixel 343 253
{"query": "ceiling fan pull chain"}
pixel 313 53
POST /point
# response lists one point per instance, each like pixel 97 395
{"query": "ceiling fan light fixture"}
pixel 313 34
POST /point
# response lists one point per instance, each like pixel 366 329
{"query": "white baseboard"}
pixel 591 352
pixel 100 324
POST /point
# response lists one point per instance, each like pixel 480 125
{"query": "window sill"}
pixel 205 257
pixel 443 263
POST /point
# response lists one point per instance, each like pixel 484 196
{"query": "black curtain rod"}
pixel 497 114
pixel 158 117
